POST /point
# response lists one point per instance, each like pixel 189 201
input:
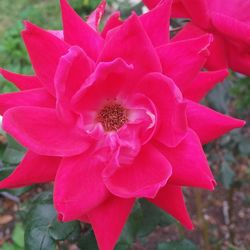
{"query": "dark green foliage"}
pixel 177 245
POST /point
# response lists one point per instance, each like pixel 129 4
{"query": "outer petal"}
pixel 198 10
pixel 189 163
pixel 156 23
pixel 23 82
pixel 151 3
pixel 35 97
pixel 239 57
pixel 108 220
pixel 79 186
pixel 72 71
pixel 131 43
pixel 45 50
pixel 95 17
pixel 40 130
pixel 203 83
pixel 143 178
pixel 178 10
pixel 77 32
pixel 172 124
pixel 209 124
pixel 33 169
pixel 183 60
pixel 231 27
pixel 170 199
pixel 217 59
pixel 113 22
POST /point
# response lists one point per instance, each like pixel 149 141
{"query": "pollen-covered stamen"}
pixel 112 116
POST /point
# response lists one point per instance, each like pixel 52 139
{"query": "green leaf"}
pixel 14 152
pixel 37 238
pixel 65 231
pixel 152 216
pixel 142 221
pixel 18 235
pixel 177 245
pixel 88 241
pixel 10 246
pixel 227 175
pixel 244 146
pixel 38 221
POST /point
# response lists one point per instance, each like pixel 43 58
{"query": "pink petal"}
pixel 183 60
pixel 108 220
pixel 113 21
pixel 231 27
pixel 151 3
pixel 41 131
pixel 32 170
pixel 178 10
pixel 239 57
pixel 77 32
pixel 45 51
pixel 35 97
pixel 23 82
pixel 95 17
pixel 217 59
pixel 156 23
pixel 172 124
pixel 143 178
pixel 170 199
pixel 57 33
pixel 129 35
pixel 79 186
pixel 209 124
pixel 107 81
pixel 198 10
pixel 203 83
pixel 72 71
pixel 189 163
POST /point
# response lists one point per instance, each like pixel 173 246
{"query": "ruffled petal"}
pixel 183 60
pixel 77 32
pixel 108 220
pixel 172 123
pixel 156 23
pixel 32 170
pixel 209 124
pixel 22 82
pixel 189 163
pixel 40 130
pixel 72 71
pixel 45 50
pixel 120 42
pixel 143 178
pixel 34 97
pixel 170 199
pixel 203 83
pixel 109 80
pixel 78 186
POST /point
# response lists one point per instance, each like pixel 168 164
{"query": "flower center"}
pixel 112 116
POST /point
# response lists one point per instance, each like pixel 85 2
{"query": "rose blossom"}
pixel 228 21
pixel 103 119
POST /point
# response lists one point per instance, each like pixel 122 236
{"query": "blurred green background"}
pixel 222 218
